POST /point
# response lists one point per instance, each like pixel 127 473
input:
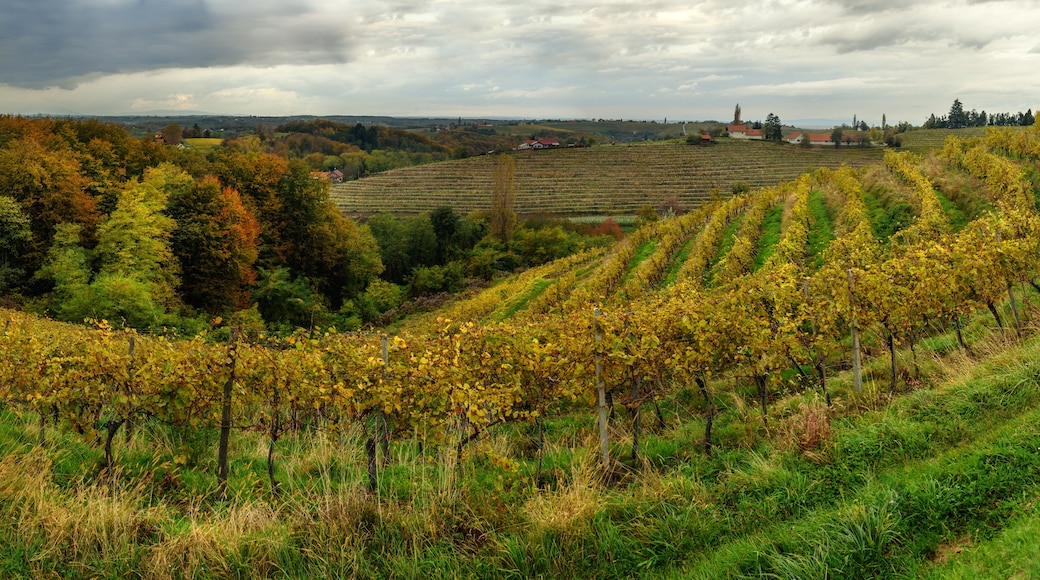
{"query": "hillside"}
pixel 601 180
pixel 829 377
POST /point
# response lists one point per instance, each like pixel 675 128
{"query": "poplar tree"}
pixel 503 197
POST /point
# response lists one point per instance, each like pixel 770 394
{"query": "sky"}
pixel 651 59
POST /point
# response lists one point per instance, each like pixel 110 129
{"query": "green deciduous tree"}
pixel 316 241
pixel 15 238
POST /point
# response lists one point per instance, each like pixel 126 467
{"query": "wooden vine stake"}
pixel 601 389
pixel 385 425
pixel 225 415
pixel 857 362
pixel 1011 297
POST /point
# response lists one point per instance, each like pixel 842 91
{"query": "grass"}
pixel 770 228
pixel 822 232
pixel 644 251
pixel 957 218
pixel 672 274
pixel 517 304
pixel 726 241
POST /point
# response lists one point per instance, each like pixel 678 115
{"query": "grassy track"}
pixel 770 234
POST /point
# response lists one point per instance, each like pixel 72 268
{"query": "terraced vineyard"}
pixel 927 139
pixel 596 180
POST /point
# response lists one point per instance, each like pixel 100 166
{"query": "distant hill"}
pixel 601 180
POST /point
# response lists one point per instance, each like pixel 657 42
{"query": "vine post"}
pixel 225 415
pixel 601 391
pixel 128 428
pixel 385 425
pixel 1011 297
pixel 857 361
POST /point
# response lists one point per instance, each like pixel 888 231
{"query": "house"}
pixel 794 138
pixel 742 131
pixel 538 144
pixel 706 139
pixel 335 176
pixel 820 139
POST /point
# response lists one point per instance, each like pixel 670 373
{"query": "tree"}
pixel 389 234
pixel 957 118
pixel 836 136
pixel 503 197
pixel 736 115
pixel 46 179
pixel 173 134
pixel 138 273
pixel 15 237
pixel 772 130
pixel 884 122
pixel 66 266
pixel 316 241
pixel 446 227
pixel 216 245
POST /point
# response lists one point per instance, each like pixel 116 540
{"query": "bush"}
pixel 433 279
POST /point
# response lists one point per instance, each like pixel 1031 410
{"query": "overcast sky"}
pixel 653 59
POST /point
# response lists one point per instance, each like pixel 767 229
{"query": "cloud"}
pixel 468 57
pixel 61 42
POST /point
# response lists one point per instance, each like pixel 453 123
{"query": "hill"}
pixel 601 180
pixel 830 377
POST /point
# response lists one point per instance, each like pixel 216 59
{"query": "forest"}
pixel 153 235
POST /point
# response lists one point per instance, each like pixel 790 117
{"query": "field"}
pixel 833 376
pixel 204 144
pixel 601 180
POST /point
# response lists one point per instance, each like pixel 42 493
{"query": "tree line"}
pixel 958 118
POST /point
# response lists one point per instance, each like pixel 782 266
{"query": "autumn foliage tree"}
pixel 216 245
pixel 45 176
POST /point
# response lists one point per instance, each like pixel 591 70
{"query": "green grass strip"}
pixel 726 240
pixel 771 224
pixel 953 213
pixel 644 251
pixel 822 232
pixel 536 288
pixel 677 262
pixel 892 525
pixel 1013 553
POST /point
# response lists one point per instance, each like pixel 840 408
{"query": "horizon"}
pixel 811 59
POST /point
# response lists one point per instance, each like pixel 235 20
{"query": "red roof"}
pixel 753 132
pixel 736 128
